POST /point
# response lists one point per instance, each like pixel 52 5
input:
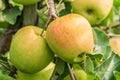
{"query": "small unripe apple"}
pixel 115 44
pixel 79 75
pixel 93 10
pixel 26 2
pixel 70 37
pixel 29 51
pixel 44 74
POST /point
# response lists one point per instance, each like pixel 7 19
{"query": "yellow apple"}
pixel 115 44
pixel 29 51
pixel 93 10
pixel 70 37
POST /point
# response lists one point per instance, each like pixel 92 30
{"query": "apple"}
pixel 44 74
pixel 29 51
pixel 79 75
pixel 115 44
pixel 70 37
pixel 26 2
pixel 93 10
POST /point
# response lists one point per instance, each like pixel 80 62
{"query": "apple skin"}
pixel 44 74
pixel 26 2
pixel 29 51
pixel 70 37
pixel 79 74
pixel 93 10
pixel 115 44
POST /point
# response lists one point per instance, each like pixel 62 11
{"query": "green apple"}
pixel 26 2
pixel 93 10
pixel 44 74
pixel 115 44
pixel 29 51
pixel 79 75
pixel 70 37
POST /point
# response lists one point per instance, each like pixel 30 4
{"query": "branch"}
pixel 71 72
pixel 106 29
pixel 51 13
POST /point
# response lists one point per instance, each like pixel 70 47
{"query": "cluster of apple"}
pixel 30 52
pixel 70 37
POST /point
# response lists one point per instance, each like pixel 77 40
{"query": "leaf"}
pixel 117 75
pixel 11 14
pixel 5 77
pixel 116 3
pixel 42 17
pixel 59 69
pixel 96 59
pixel 3 24
pixel 115 30
pixel 105 70
pixel 67 9
pixel 88 62
pixel 102 43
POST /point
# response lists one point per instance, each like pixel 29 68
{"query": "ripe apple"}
pixel 26 2
pixel 44 74
pixel 93 10
pixel 115 44
pixel 29 51
pixel 70 37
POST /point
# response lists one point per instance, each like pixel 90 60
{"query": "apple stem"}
pixel 51 13
pixel 71 72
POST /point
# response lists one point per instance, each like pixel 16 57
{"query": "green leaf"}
pixel 116 3
pixel 88 62
pixel 67 9
pixel 102 43
pixel 59 69
pixel 42 17
pixel 117 75
pixel 5 77
pixel 115 30
pixel 11 14
pixel 105 70
pixel 3 24
pixel 96 58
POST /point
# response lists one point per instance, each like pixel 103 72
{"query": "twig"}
pixel 106 29
pixel 51 13
pixel 113 35
pixel 71 72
